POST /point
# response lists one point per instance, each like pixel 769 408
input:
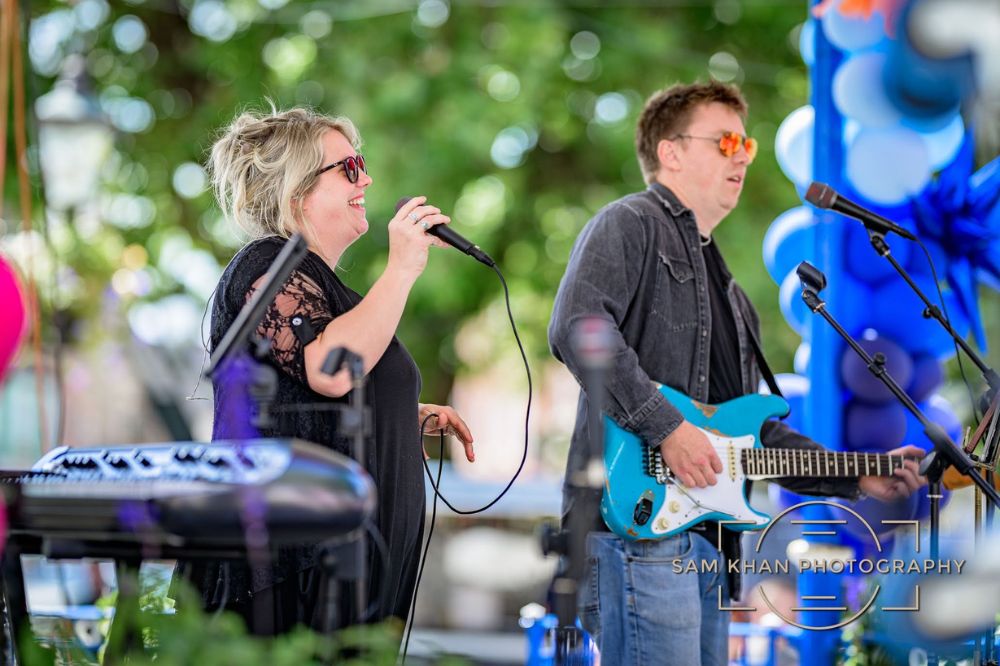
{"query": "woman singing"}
pixel 299 171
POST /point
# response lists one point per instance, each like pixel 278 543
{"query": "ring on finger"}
pixel 413 216
pixel 425 226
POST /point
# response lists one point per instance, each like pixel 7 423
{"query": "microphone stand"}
pixel 945 451
pixel 246 321
pixel 591 342
pixel 264 383
pixel 932 311
pixel 348 561
pixel 992 396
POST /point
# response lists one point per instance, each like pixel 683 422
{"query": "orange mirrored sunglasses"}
pixel 729 143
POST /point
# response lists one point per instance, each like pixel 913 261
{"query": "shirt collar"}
pixel 669 199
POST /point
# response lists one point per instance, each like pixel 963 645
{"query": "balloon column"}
pixel 914 167
pixel 14 322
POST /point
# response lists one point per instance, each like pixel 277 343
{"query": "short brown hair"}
pixel 668 113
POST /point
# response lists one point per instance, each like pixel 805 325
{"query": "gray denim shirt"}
pixel 638 264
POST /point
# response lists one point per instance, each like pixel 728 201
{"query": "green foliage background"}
pixel 430 96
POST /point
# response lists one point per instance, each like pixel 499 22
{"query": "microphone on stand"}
pixel 455 239
pixel 823 196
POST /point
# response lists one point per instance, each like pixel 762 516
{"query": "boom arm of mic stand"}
pixel 878 242
pixel 945 451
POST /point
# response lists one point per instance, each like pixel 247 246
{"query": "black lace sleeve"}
pixel 299 312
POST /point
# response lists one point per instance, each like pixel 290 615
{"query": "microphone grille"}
pixel 402 202
pixel 821 195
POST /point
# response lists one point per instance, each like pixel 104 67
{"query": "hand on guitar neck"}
pixel 692 459
pixel 690 456
pixel 904 481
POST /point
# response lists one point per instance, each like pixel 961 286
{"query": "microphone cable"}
pixel 944 311
pixel 436 483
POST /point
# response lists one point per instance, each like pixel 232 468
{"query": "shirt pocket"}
pixel 675 301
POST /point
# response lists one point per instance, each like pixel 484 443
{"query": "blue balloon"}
pixel 922 86
pixel 848 301
pixel 794 388
pixel 852 33
pixel 851 129
pixel 793 145
pixel 874 428
pixel 888 166
pixel 807 42
pixel 865 386
pixel 800 363
pixel 789 241
pixel 863 262
pixel 943 145
pixel 790 301
pixel 929 125
pixel 938 410
pixel 927 376
pixel 859 94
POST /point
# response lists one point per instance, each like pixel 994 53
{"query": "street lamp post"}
pixel 74 140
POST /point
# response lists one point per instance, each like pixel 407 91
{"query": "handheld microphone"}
pixel 455 239
pixel 823 196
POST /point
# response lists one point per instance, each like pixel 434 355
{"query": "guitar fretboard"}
pixel 796 462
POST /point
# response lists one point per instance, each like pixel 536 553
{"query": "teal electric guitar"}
pixel 643 500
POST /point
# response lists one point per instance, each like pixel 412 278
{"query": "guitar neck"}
pixel 818 463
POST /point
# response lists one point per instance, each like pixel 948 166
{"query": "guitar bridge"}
pixel 655 466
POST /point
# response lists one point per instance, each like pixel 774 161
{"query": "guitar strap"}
pixel 765 369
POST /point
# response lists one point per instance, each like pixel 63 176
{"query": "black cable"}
pixel 435 484
pixel 427 543
pixel 944 310
pixel 527 417
pixel 204 345
pixel 225 591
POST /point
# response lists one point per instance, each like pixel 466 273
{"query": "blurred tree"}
pixel 517 117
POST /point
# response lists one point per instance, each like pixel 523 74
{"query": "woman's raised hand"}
pixel 408 237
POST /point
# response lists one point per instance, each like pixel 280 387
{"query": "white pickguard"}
pixel 684 505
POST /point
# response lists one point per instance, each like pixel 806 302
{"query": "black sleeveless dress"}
pixel 292 582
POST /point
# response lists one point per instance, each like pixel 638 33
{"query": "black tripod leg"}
pixel 16 623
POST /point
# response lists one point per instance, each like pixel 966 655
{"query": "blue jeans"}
pixel 639 611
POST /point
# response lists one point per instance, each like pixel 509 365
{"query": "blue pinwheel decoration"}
pixel 959 213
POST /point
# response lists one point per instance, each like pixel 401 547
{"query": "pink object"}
pixel 13 315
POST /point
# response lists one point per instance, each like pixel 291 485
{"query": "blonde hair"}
pixel 264 164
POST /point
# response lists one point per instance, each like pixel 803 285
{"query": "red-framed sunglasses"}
pixel 353 166
pixel 729 143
